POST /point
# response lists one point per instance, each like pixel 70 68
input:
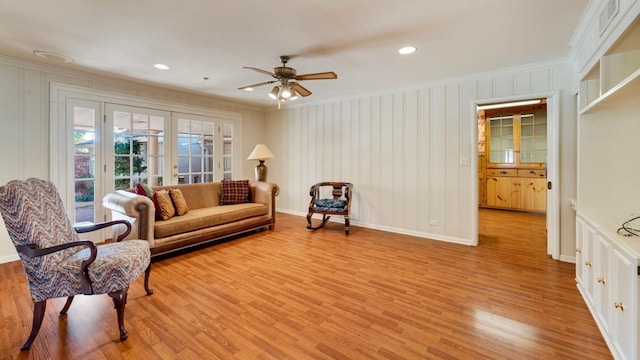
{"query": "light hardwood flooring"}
pixel 295 294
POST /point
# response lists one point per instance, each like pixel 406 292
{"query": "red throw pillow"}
pixel 144 189
pixel 234 192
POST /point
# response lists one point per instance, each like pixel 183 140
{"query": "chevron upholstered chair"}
pixel 56 262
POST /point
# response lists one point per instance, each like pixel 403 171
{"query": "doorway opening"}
pixel 516 154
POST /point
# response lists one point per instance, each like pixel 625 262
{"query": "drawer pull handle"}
pixel 619 305
pixel 578 251
pixel 503 172
pixel 601 281
pixel 588 263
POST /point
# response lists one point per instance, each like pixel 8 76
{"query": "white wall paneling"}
pixel 402 150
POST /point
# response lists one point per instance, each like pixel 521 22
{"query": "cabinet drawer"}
pixel 536 173
pixel 502 172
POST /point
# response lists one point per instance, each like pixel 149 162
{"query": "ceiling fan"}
pixel 287 89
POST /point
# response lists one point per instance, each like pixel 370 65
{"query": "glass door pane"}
pixel 196 149
pixel 138 146
pixel 501 143
pixel 533 138
pixel 84 160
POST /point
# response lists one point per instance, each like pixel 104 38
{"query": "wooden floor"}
pixel 293 294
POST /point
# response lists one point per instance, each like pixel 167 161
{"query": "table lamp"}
pixel 261 152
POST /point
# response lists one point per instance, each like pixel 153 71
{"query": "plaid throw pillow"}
pixel 234 192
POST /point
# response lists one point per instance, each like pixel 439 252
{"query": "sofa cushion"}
pixel 178 201
pixel 164 206
pixel 234 192
pixel 206 217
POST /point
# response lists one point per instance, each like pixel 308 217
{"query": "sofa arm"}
pixel 137 209
pixel 265 193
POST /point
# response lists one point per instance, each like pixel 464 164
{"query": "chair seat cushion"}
pixel 329 205
pixel 116 266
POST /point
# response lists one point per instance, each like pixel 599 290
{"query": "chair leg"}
pixel 146 280
pixel 346 224
pixel 119 301
pixel 38 315
pixel 66 306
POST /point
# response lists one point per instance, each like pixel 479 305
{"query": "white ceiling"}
pixel 358 39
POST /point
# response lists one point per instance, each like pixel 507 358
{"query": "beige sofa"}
pixel 205 221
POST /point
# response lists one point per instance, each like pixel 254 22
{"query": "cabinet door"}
pixel 534 194
pixel 580 229
pixel 503 192
pixel 624 304
pixel 584 260
pixel 602 280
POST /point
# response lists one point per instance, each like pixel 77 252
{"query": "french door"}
pixel 101 142
pixel 136 147
pixel 117 146
pixel 203 149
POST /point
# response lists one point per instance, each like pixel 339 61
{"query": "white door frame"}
pixel 553 167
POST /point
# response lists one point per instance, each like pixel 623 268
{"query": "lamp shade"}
pixel 261 152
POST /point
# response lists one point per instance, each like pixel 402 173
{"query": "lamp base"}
pixel 261 171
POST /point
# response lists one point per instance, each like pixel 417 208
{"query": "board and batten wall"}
pixel 24 119
pixel 402 150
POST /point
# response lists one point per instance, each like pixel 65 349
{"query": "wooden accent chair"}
pixel 338 205
pixel 57 263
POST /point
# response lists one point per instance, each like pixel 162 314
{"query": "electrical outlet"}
pixel 433 222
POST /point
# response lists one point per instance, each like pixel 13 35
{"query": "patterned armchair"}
pixel 57 263
pixel 337 204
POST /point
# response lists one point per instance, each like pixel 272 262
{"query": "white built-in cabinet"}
pixel 607 277
pixel 608 182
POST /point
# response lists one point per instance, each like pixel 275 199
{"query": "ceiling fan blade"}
pixel 301 90
pixel 260 70
pixel 258 84
pixel 329 75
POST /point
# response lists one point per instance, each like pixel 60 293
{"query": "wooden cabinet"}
pixel 503 192
pixel 516 193
pixel 514 168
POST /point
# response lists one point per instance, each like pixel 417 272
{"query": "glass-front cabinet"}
pixel 513 166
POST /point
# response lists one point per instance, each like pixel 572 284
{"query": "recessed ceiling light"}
pixel 161 66
pixel 248 89
pixel 407 50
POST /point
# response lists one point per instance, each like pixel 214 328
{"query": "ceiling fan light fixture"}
pixel 274 92
pixel 286 92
